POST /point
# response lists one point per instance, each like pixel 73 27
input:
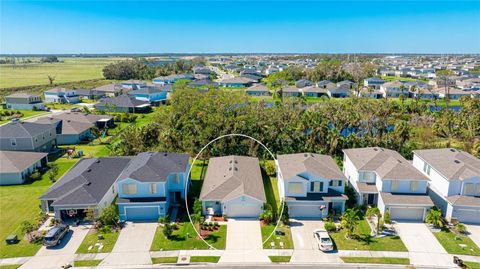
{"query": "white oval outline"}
pixel 190 170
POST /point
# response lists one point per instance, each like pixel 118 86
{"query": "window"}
pixel 129 188
pixel 176 179
pixel 368 177
pixel 316 186
pixel 394 186
pixel 468 188
pixel 413 186
pixel 426 168
pixel 13 141
pixel 336 183
pixel 295 188
pixel 153 188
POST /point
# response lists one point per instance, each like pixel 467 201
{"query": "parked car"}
pixel 55 235
pixel 323 239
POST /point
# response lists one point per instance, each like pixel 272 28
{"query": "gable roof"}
pixel 81 117
pixel 87 182
pixel 152 89
pixel 155 166
pixel 232 176
pixel 451 163
pixel 258 88
pixel 68 126
pixel 388 164
pixel 21 95
pixel 18 161
pixel 23 129
pixel 321 165
pixel 122 101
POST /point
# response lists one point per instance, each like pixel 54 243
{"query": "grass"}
pixel 26 114
pixel 164 260
pixel 280 258
pixel 363 241
pixel 209 259
pixel 57 106
pixel 10 266
pixel 448 240
pixel 92 238
pixel 67 70
pixel 86 263
pixel 26 208
pixel 196 181
pixel 286 239
pixel 470 265
pixel 381 260
pixel 89 151
pixel 186 238
pixel 393 78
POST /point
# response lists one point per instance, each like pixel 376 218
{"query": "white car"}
pixel 323 239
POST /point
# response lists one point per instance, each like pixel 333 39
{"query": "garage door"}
pixel 399 213
pixel 305 211
pixel 142 213
pixel 467 215
pixel 244 210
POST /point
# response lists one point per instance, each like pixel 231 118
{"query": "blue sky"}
pixel 239 26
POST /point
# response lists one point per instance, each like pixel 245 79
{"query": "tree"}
pixel 167 230
pixel 285 216
pixel 374 211
pixel 51 79
pixel 270 168
pixel 267 214
pixel 197 213
pixel 445 76
pixel 109 215
pixel 53 172
pixel 349 221
pixel 434 217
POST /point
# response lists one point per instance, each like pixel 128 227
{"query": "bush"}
pixel 109 215
pixel 460 228
pixel 270 168
pixel 34 236
pixel 164 220
pixel 26 227
pixel 386 217
pixel 106 229
pixel 330 226
pixel 167 230
pixel 266 216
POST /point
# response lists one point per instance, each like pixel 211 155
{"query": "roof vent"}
pixel 311 154
pixel 456 161
pixel 236 169
pixel 97 161
pixel 88 183
pixel 165 154
pixel 375 149
pixel 452 150
pixel 230 161
pixel 89 170
pixel 230 169
pixel 305 155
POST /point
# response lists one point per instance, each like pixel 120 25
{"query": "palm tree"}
pixel 374 211
pixel 434 217
pixel 349 221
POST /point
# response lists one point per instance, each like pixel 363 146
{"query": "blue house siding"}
pixel 154 97
pixel 142 211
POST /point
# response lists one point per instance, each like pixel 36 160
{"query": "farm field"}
pixel 67 70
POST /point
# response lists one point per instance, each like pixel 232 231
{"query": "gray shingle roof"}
pixel 451 163
pixel 21 95
pixel 460 200
pixel 312 196
pixel 68 126
pixel 18 161
pixel 406 199
pixel 321 165
pixel 388 164
pixel 155 166
pixel 122 101
pixel 232 176
pixel 23 129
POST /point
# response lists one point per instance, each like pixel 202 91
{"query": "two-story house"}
pixel 373 82
pixel 312 184
pixel 393 89
pixel 24 101
pixel 28 136
pixel 383 178
pixel 150 183
pixel 233 186
pixel 152 94
pixel 61 95
pixel 454 182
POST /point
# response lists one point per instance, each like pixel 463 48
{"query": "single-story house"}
pixel 313 91
pixel 110 90
pixel 236 82
pixel 123 103
pixel 258 90
pixel 289 91
pixel 338 92
pixel 91 94
pixel 24 101
pixel 18 165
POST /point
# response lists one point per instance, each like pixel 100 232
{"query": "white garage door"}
pixel 402 213
pixel 244 210
pixel 467 215
pixel 305 211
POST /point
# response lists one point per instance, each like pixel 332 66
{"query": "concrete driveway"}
pixel 133 245
pixel 59 255
pixel 422 245
pixel 474 233
pixel 305 246
pixel 244 242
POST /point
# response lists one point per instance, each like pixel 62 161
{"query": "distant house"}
pixel 61 95
pixel 258 90
pixel 100 121
pixel 69 132
pixel 254 78
pixel 170 79
pixel 17 165
pixel 152 94
pixel 393 89
pixel 313 91
pixel 28 136
pixel 233 186
pixel 123 104
pixel 383 178
pixel 203 83
pixel 370 93
pixel 110 90
pixel 24 101
pixel 202 70
pixel 303 83
pixel 150 184
pixel 236 82
pixel 133 84
pixel 455 182
pixel 88 185
pixel 90 94
pixel 346 84
pixel 453 93
pixel 325 84
pixel 338 92
pixel 289 91
pixel 373 82
pixel 312 185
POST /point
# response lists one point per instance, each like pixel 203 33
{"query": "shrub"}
pixel 34 236
pixel 109 215
pixel 106 229
pixel 266 216
pixel 434 217
pixel 386 217
pixel 270 168
pixel 330 226
pixel 167 230
pixel 164 220
pixel 26 227
pixel 460 228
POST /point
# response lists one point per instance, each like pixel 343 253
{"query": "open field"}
pixel 67 70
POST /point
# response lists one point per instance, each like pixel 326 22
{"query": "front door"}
pixel 370 198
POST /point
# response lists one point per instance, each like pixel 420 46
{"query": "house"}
pixel 338 92
pixel 123 103
pixel 100 121
pixel 258 90
pixel 133 84
pixel 383 178
pixel 233 186
pixel 152 94
pixel 312 185
pixel 325 84
pixel 313 91
pixel 453 93
pixel 28 136
pixel 90 94
pixel 18 165
pixel 88 185
pixel 454 182
pixel 150 184
pixel 303 83
pixel 289 91
pixel 393 89
pixel 170 79
pixel 346 84
pixel 236 82
pixel 373 82
pixel 370 93
pixel 69 132
pixel 110 90
pixel 61 95
pixel 24 101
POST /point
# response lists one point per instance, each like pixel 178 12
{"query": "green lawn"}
pixel 209 259
pixel 27 207
pixel 56 106
pixel 86 263
pixel 26 114
pixel 363 240
pixel 89 151
pixel 67 70
pixel 470 265
pixel 196 182
pixel 286 239
pixel 448 240
pixel 164 260
pixel 92 238
pixel 393 78
pixel 280 258
pixel 382 260
pixel 10 266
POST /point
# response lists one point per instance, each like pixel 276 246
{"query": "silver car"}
pixel 323 240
